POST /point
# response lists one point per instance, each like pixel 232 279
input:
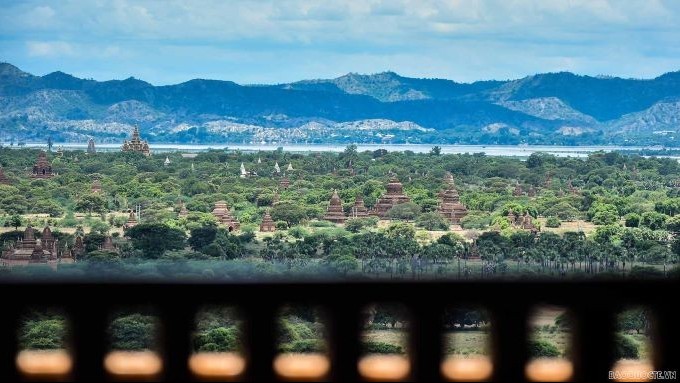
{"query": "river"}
pixel 491 150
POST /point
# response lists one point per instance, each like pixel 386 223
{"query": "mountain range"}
pixel 550 108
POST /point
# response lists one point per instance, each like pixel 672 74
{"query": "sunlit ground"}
pixel 378 367
pixel 133 364
pixel 632 370
pixel 549 370
pixel 468 369
pixel 313 366
pixel 53 364
pixel 217 365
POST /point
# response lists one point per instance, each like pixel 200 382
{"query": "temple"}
pixel 136 144
pixel 3 178
pixel 131 222
pixel 359 209
pixel 42 167
pixel 334 212
pixel 96 187
pixel 183 212
pixel 394 196
pixel 29 250
pixel 520 221
pixel 518 192
pixel 284 183
pixel 449 202
pixel 108 245
pixel 267 224
pixel 167 161
pixel 224 217
pixel 90 147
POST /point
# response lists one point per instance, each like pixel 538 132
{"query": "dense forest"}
pixel 609 214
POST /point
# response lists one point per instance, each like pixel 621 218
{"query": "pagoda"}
pixel 136 144
pixel 284 183
pixel 334 212
pixel 167 161
pixel 223 216
pixel 449 202
pixel 42 167
pixel 526 223
pixel 359 209
pixel 90 147
pixel 394 196
pixel 183 212
pixel 108 244
pixel 131 222
pixel 3 178
pixel 267 224
pixel 96 187
pixel 78 247
pixel 518 192
pixel 29 250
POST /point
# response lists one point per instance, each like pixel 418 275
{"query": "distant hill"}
pixel 561 108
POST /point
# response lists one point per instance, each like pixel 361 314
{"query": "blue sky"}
pixel 250 41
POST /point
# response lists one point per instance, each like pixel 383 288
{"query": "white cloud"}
pixel 49 48
pixel 462 39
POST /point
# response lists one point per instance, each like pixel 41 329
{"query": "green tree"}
pixel 405 211
pixel 16 221
pixel 133 332
pixel 153 239
pixel 432 221
pixel 91 203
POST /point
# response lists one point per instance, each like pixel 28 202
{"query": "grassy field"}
pixel 471 342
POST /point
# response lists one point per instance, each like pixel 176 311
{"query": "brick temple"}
pixel 224 217
pixel 359 209
pixel 334 212
pixel 42 167
pixel 449 202
pixel 267 224
pixel 136 144
pixel 394 196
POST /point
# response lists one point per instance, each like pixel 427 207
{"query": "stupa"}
pixel 359 209
pixel 224 217
pixel 42 167
pixel 90 147
pixel 136 144
pixel 267 224
pixel 394 196
pixel 132 221
pixel 334 212
pixel 96 187
pixel 449 202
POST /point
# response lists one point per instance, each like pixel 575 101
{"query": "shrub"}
pixel 632 219
pixel 381 348
pixel 625 347
pixel 475 221
pixel 293 329
pixel 45 334
pixel 281 225
pixel 553 222
pixel 543 349
pixel 432 221
pixel 220 339
pixel 355 225
pixel 303 346
pixel 133 332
